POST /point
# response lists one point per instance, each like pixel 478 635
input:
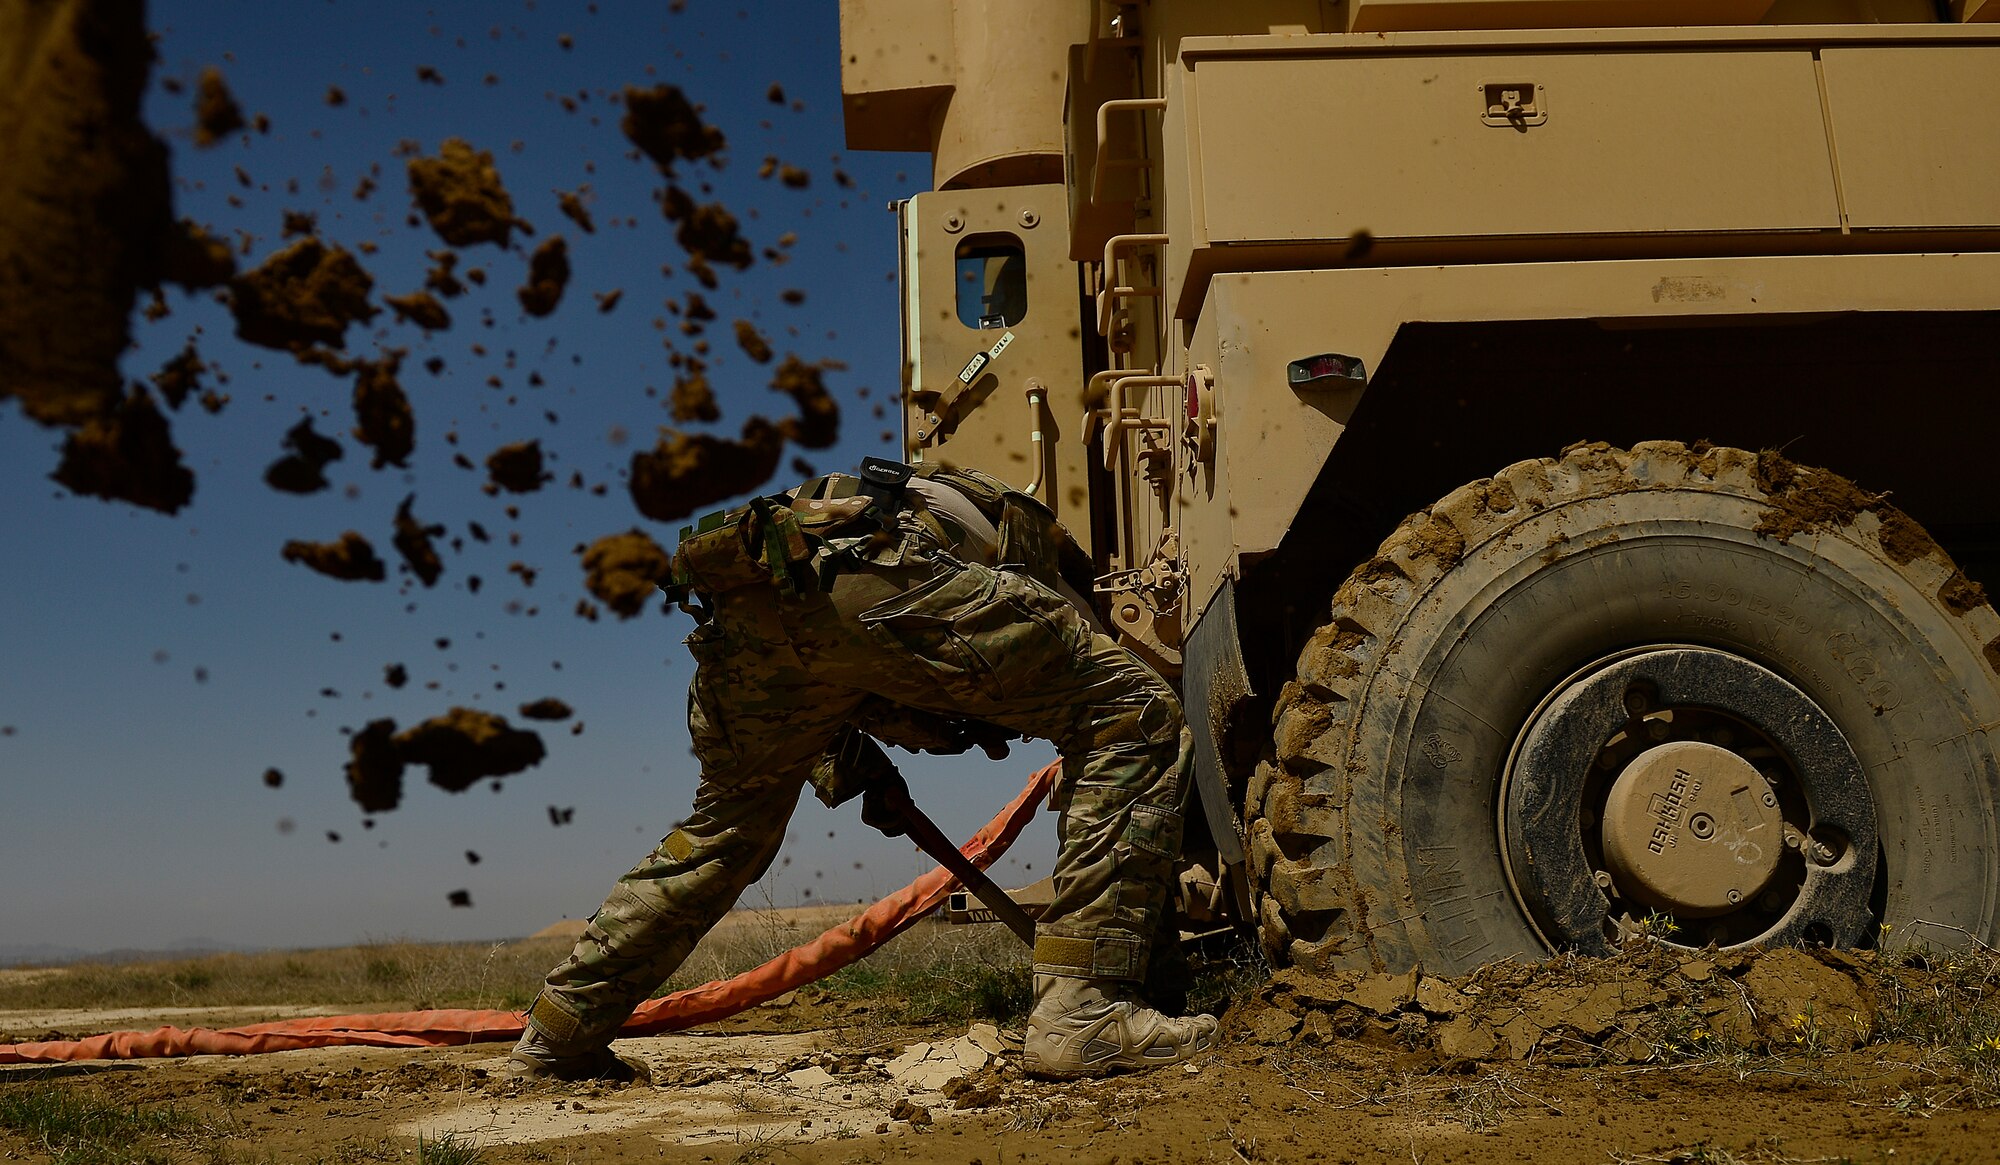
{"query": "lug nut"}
pixel 1603 879
pixel 1735 896
pixel 1635 701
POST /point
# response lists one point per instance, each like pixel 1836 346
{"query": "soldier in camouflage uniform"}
pixel 845 602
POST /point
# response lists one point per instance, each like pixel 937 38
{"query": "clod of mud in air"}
pixel 302 471
pixel 350 559
pixel 687 471
pixel 548 274
pixel 413 541
pixel 573 208
pixel 195 259
pixel 84 202
pixel 706 231
pixel 383 419
pixel 306 294
pixel 216 113
pixel 375 767
pixel 547 708
pixel 420 308
pixel 179 376
pixel 465 746
pixel 395 675
pixel 516 468
pixel 694 399
pixel 461 195
pixel 625 570
pixel 752 342
pixel 1649 1003
pixel 663 123
pixel 127 454
pixel 818 424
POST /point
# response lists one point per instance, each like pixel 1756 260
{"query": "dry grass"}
pixel 934 971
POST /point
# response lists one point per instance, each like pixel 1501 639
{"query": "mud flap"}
pixel 1213 681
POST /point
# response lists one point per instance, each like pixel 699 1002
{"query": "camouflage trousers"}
pixel 777 678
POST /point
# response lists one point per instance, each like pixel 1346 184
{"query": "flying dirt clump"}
pixel 383 420
pixel 752 342
pixel 465 746
pixel 413 541
pixel 179 376
pixel 694 398
pixel 460 193
pixel 687 471
pixel 818 424
pixel 375 767
pixel 127 455
pixel 517 468
pixel 351 559
pixel 547 708
pixel 420 308
pixel 548 274
pixel 625 570
pixel 663 123
pixel 84 202
pixel 573 208
pixel 195 259
pixel 306 294
pixel 216 114
pixel 302 471
pixel 706 231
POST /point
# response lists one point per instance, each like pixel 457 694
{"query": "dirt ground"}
pixel 1788 1056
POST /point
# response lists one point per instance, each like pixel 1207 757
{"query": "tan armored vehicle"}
pixel 1406 365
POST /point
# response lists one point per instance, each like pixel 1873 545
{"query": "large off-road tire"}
pixel 1441 762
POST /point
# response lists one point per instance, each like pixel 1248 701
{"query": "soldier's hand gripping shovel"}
pixel 886 805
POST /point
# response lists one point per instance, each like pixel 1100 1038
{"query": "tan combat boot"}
pixel 539 1056
pixel 1091 1027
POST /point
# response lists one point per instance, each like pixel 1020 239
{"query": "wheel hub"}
pixel 1693 784
pixel 1692 828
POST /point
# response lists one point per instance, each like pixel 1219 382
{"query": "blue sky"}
pixel 135 814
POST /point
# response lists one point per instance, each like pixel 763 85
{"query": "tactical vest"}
pixel 801 543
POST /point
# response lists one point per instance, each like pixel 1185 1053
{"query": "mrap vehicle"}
pixel 1549 443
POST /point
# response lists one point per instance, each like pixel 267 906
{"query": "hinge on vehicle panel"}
pixel 1145 605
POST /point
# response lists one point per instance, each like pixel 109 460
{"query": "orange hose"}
pixel 831 951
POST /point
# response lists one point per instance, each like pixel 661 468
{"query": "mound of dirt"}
pixel 687 471
pixel 461 195
pixel 127 455
pixel 625 570
pixel 1649 1002
pixel 548 274
pixel 302 471
pixel 465 746
pixel 306 294
pixel 351 559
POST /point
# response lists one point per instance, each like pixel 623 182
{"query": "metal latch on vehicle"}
pixel 1514 104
